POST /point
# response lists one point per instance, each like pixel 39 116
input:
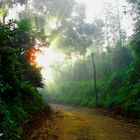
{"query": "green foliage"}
pixel 19 97
pixel 116 80
pixel 3 12
pixel 127 99
pixel 74 93
pixel 135 45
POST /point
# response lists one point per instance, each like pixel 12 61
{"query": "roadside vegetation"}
pixel 19 78
pixel 99 63
pixel 117 68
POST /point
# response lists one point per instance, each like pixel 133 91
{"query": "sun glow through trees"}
pixel 47 59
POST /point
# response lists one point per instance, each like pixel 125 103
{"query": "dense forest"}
pixel 98 65
pixel 104 47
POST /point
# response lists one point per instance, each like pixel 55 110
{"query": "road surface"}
pixel 78 123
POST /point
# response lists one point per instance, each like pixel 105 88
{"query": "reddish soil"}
pixel 78 123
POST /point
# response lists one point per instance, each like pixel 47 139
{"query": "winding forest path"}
pixel 78 123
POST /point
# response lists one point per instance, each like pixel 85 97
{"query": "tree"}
pixel 19 79
pixel 135 9
pixel 22 38
pixel 94 78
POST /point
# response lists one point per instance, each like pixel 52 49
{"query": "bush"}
pixel 19 97
pixel 74 93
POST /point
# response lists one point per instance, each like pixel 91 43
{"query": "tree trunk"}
pixel 119 23
pixel 3 18
pixel 94 78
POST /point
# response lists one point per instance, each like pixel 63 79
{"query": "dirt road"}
pixel 76 123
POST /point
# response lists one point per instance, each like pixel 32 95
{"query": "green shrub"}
pixel 19 97
pixel 73 92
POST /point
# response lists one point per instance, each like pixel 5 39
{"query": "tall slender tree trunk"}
pixel 3 19
pixel 119 23
pixel 95 81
